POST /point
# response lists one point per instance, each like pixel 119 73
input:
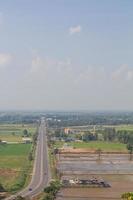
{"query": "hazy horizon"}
pixel 66 55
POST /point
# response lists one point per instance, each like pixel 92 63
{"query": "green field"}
pixel 13 162
pixel 14 165
pixel 13 133
pixel 122 127
pixel 14 149
pixel 105 146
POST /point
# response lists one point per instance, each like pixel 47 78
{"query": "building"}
pixel 26 140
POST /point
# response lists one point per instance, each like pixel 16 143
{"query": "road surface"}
pixel 41 171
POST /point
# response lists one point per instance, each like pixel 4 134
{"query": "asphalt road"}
pixel 41 171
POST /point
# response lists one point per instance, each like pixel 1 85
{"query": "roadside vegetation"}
pixel 52 161
pixel 51 190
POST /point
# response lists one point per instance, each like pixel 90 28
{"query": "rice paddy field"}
pixel 119 184
pixel 14 132
pixel 82 162
pixel 115 169
pixel 14 163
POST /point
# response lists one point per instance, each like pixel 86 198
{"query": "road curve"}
pixel 41 171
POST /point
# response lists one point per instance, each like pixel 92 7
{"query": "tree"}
pixel 48 197
pixel 13 133
pixel 109 134
pixel 105 136
pixel 112 134
pixel 53 188
pixel 56 151
pixel 2 188
pixel 99 151
pixel 57 133
pixel 34 138
pixel 96 136
pixel 30 157
pixel 88 136
pixel 130 149
pixel 79 136
pixel 25 133
pixel 19 197
pixel 127 196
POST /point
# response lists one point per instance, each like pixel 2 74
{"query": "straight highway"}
pixel 41 171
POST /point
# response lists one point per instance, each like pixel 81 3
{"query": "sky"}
pixel 66 55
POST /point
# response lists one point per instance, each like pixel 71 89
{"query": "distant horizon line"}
pixel 67 110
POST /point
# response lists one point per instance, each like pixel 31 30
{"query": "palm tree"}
pixel 99 151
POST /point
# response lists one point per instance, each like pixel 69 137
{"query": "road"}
pixel 41 171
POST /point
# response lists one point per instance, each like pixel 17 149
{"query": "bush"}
pixel 2 188
pixel 20 183
pixel 128 196
pixel 53 188
pixel 19 198
pixel 48 197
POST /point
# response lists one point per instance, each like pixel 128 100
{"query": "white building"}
pixel 26 140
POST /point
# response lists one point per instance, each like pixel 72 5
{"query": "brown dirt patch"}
pixel 88 150
pixel 8 172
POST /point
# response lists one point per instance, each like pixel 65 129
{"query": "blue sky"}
pixel 66 54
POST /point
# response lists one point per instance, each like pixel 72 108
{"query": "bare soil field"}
pixel 90 164
pixel 116 169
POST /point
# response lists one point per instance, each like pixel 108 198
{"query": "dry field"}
pixel 116 169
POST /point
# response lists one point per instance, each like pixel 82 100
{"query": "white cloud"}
pixel 36 63
pixel 92 74
pixel 64 72
pixel 5 59
pixel 61 84
pixel 130 75
pixel 122 74
pixel 48 65
pixel 75 29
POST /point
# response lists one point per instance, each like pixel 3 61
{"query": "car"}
pixel 30 189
